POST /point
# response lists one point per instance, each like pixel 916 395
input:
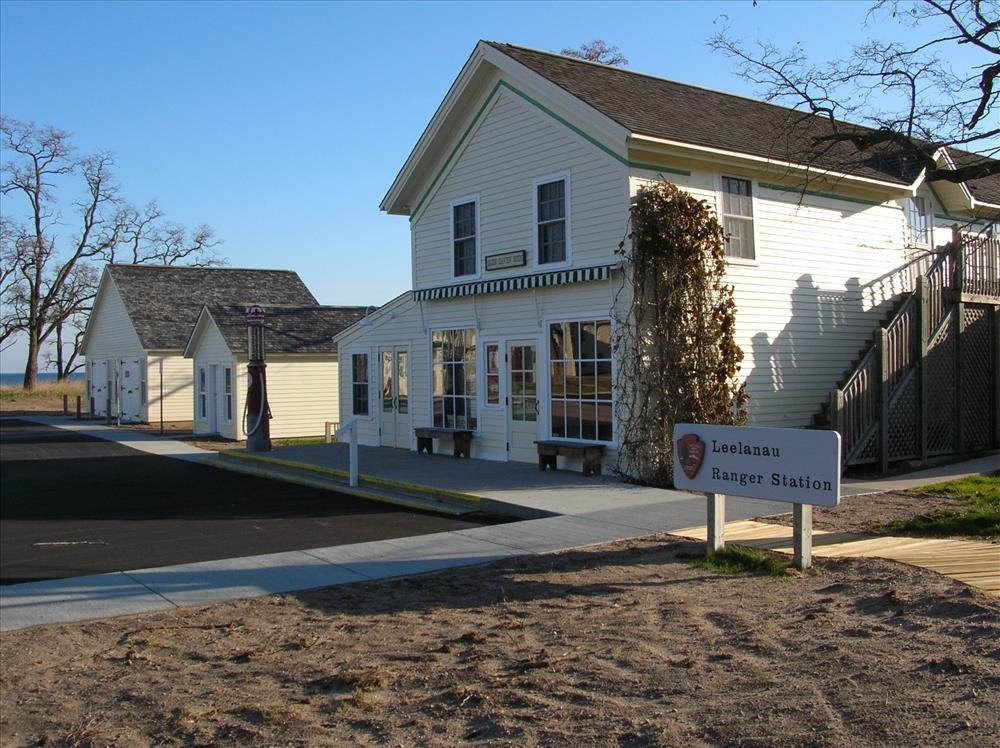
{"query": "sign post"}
pixel 800 466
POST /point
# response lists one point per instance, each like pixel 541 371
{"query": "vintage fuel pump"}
pixel 257 413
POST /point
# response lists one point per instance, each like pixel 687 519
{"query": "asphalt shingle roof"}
pixel 287 329
pixel 164 302
pixel 660 108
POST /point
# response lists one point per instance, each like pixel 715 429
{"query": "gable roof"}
pixel 164 302
pixel 664 109
pixel 287 329
pixel 630 114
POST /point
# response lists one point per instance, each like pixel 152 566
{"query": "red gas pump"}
pixel 257 416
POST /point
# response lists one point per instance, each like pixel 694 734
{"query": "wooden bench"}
pixel 591 453
pixel 461 437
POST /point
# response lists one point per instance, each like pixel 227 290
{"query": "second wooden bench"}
pixel 592 454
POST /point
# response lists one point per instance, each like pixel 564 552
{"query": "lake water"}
pixel 17 377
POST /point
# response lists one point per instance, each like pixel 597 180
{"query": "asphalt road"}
pixel 72 505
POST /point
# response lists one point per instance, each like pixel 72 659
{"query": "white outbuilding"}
pixel 141 321
pixel 301 368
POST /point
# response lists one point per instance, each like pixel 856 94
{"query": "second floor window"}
pixel 917 222
pixel 551 199
pixel 737 217
pixel 464 237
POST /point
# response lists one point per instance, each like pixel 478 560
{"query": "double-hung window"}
pixel 227 386
pixel 737 217
pixel 453 371
pixel 918 224
pixel 359 383
pixel 464 237
pixel 202 393
pixel 550 201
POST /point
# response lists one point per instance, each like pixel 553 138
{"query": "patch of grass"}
pixel 978 516
pixel 14 393
pixel 735 559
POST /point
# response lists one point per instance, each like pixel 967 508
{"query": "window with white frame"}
pixel 580 393
pixel 202 393
pixel 737 217
pixel 453 373
pixel 227 388
pixel 464 237
pixel 550 198
pixel 918 224
pixel 359 383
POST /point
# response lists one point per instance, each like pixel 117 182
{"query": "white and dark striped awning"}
pixel 501 285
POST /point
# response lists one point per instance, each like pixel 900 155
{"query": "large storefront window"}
pixel 454 377
pixel 580 355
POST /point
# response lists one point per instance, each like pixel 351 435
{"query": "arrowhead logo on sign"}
pixel 690 454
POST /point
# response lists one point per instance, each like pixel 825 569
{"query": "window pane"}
pixel 581 389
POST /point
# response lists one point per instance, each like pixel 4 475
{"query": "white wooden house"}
pixel 141 321
pixel 518 194
pixel 302 371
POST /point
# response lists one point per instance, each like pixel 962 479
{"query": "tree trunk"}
pixel 31 368
pixel 60 372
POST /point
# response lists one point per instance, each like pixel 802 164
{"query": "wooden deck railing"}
pixel 873 406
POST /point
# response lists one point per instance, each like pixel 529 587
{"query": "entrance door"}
pixel 522 401
pixel 131 390
pixel 394 423
pixel 99 387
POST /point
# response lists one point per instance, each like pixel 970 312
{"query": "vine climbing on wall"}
pixel 676 351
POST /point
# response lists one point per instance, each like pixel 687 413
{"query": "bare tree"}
pixel 48 280
pixel 908 98
pixel 598 50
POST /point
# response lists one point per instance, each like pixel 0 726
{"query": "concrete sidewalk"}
pixel 589 511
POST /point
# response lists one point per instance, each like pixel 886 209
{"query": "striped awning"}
pixel 538 280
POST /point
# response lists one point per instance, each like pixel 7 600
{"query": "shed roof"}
pixel 287 329
pixel 164 302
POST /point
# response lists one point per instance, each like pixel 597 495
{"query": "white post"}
pixel 351 427
pixel 716 521
pixel 802 535
pixel 354 455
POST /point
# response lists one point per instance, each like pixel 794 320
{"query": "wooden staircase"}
pixel 928 383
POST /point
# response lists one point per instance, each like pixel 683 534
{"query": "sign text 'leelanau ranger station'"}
pixel 801 466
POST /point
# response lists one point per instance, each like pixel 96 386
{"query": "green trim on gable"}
pixel 814 193
pixel 544 109
pixel 962 219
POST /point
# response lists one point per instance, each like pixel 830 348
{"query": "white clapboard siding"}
pixel 826 272
pixel 111 333
pixel 177 387
pixel 514 144
pixel 302 395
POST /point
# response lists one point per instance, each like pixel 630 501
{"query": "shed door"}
pixel 522 401
pixel 99 387
pixel 394 417
pixel 131 390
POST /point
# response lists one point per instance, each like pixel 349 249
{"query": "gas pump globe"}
pixel 257 413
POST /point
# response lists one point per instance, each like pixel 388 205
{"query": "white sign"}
pixel 801 466
pixel 506 260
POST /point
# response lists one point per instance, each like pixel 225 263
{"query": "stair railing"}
pixel 861 407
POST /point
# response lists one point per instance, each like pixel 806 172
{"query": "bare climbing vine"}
pixel 677 355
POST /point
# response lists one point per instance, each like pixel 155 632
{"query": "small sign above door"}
pixel 506 260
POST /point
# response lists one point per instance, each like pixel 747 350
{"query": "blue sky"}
pixel 282 125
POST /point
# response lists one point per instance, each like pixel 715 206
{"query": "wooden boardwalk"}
pixel 975 563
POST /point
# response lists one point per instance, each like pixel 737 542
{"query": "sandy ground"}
pixel 622 644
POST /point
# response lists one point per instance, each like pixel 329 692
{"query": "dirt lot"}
pixel 622 644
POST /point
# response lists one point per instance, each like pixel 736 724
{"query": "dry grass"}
pixel 47 397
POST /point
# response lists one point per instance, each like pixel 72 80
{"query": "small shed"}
pixel 141 320
pixel 302 376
